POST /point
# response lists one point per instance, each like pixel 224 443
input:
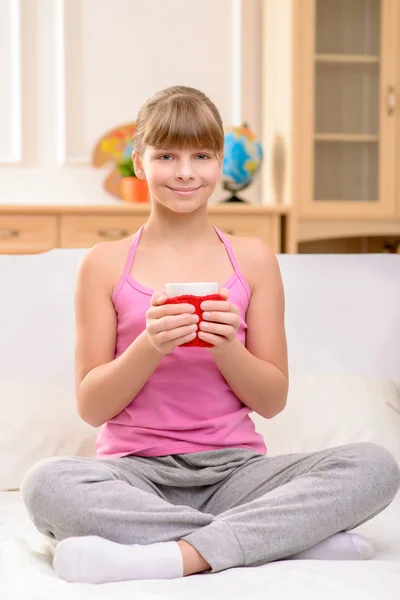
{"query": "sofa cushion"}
pixel 330 409
pixel 38 420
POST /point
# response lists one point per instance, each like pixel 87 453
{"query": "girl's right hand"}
pixel 170 325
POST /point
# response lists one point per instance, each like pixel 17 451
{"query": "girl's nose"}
pixel 184 170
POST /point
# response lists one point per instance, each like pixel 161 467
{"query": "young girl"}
pixel 181 483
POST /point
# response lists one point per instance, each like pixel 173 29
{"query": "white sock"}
pixel 341 546
pixel 92 559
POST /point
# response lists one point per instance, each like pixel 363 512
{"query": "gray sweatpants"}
pixel 235 506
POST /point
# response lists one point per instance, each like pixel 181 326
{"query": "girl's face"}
pixel 180 179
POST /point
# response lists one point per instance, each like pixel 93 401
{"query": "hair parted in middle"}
pixel 179 117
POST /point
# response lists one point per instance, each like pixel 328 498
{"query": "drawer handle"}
pixel 113 233
pixel 8 233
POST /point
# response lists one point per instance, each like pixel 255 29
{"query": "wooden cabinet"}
pixel 331 81
pixel 29 234
pixel 268 227
pixel 346 71
pixel 30 229
pixel 83 231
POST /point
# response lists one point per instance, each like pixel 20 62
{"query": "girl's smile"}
pixel 182 191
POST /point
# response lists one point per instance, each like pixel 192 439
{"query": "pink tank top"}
pixel 186 405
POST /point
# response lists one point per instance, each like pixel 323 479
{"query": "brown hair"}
pixel 179 117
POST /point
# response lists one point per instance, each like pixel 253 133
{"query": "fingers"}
pixel 230 318
pixel 158 298
pixel 172 335
pixel 169 322
pixel 159 309
pixel 214 306
pixel 217 329
pixel 214 339
pixel 171 325
pixel 210 338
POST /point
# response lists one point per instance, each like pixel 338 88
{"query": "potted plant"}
pixel 132 188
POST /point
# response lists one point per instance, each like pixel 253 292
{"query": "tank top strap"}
pixel 234 262
pixel 128 264
pixel 132 252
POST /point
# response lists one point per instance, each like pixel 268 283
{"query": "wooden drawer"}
pixel 84 231
pixel 27 234
pixel 265 227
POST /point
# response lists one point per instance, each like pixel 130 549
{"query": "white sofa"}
pixel 343 329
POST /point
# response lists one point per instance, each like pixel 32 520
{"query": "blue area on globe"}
pixel 242 157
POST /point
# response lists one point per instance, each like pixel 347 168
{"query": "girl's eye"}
pixel 165 157
pixel 202 156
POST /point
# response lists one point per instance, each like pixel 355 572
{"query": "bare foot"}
pixel 193 562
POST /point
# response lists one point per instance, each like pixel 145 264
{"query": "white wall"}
pixel 72 69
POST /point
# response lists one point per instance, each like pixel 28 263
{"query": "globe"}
pixel 242 159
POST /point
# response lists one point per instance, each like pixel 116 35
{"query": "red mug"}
pixel 196 301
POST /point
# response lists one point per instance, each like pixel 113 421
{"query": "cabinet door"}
pixel 84 231
pixel 345 107
pixel 27 234
pixel 266 227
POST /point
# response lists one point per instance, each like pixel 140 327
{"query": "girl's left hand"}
pixel 220 321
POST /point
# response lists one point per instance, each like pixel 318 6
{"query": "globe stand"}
pixel 232 188
pixel 235 198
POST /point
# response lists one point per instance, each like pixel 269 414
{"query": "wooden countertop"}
pixel 124 208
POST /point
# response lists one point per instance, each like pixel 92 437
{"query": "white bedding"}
pixel 25 575
pixel 342 316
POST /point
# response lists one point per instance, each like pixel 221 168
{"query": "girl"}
pixel 181 482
